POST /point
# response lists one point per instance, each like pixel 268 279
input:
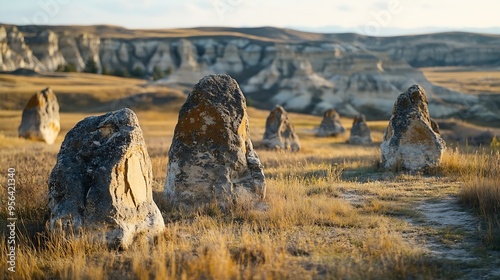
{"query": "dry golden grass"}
pixel 465 79
pixel 330 214
pixel 99 86
pixel 81 92
pixel 480 172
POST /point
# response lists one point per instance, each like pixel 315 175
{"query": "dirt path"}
pixel 452 233
pixel 449 233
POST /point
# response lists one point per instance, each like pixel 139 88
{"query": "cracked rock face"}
pixel 360 133
pixel 280 132
pixel 212 157
pixel 102 181
pixel 40 119
pixel 435 127
pixel 411 141
pixel 330 125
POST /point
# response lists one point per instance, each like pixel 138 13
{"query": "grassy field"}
pixel 465 79
pixel 81 92
pixel 332 214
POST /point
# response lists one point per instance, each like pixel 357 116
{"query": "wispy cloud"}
pixel 344 8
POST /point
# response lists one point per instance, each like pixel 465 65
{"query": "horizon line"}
pixel 390 32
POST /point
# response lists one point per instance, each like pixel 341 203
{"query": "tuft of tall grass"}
pixel 480 173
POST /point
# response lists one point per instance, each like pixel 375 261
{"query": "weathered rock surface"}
pixel 45 47
pixel 77 49
pixel 346 78
pixel 280 132
pixel 102 181
pixel 410 142
pixel 15 53
pixel 360 133
pixel 212 157
pixel 442 49
pixel 330 125
pixel 435 126
pixel 40 119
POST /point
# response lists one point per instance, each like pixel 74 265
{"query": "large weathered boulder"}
pixel 360 133
pixel 280 132
pixel 212 157
pixel 102 181
pixel 40 119
pixel 330 125
pixel 410 142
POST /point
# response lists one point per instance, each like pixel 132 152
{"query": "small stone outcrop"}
pixel 280 132
pixel 212 157
pixel 360 133
pixel 410 140
pixel 330 125
pixel 102 181
pixel 40 119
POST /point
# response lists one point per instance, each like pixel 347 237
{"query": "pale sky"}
pixel 370 17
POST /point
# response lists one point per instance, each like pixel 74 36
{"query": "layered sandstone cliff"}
pixel 303 72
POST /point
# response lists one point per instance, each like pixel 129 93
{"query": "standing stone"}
pixel 212 156
pixel 330 125
pixel 40 119
pixel 102 181
pixel 410 142
pixel 360 133
pixel 280 132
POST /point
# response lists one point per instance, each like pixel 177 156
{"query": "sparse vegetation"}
pixel 91 66
pixel 158 73
pixel 137 72
pixel 121 73
pixel 480 171
pixel 495 144
pixel 70 67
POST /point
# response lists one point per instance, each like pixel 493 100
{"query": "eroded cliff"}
pixel 303 72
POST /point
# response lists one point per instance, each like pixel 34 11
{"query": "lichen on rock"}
pixel 40 120
pixel 410 140
pixel 212 157
pixel 102 181
pixel 360 133
pixel 330 125
pixel 280 132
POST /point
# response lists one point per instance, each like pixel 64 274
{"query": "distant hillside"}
pixel 304 72
pixel 89 93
